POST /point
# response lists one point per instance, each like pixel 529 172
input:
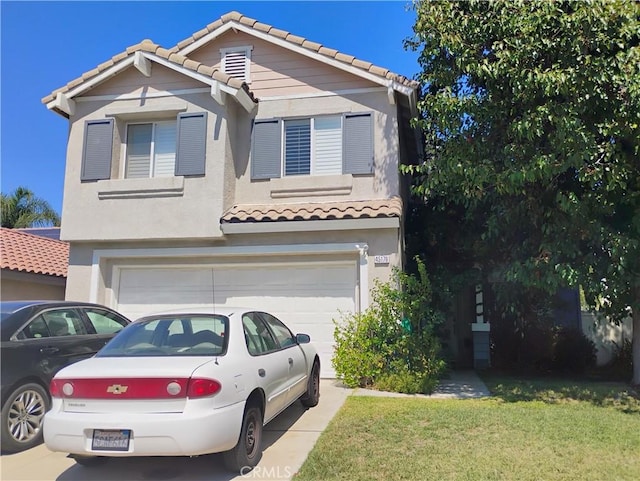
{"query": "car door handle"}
pixel 290 362
pixel 49 350
pixel 261 372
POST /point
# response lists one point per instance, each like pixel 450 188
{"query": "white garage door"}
pixel 306 297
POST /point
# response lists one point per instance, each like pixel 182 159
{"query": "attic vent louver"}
pixel 236 62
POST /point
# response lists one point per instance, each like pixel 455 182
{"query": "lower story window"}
pixel 151 149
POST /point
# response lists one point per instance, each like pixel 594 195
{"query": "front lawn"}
pixel 529 430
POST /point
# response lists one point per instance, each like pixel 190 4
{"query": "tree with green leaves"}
pixel 531 112
pixel 22 208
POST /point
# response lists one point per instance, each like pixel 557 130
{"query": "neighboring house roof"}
pixel 24 252
pixel 127 58
pixel 49 232
pixel 364 209
pixel 254 27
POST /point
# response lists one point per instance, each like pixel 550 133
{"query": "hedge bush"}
pixel 391 345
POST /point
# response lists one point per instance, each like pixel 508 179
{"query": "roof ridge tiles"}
pixel 235 16
pixel 172 55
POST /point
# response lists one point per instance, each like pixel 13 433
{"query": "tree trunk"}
pixel 635 335
pixel 636 348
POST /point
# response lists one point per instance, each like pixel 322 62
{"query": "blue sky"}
pixel 44 45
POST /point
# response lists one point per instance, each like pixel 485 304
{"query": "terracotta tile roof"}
pixel 173 57
pixel 362 209
pixel 24 252
pixel 297 41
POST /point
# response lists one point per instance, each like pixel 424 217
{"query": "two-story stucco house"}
pixel 244 166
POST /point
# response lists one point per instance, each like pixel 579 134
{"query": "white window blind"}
pixel 165 149
pixel 151 150
pixel 327 145
pixel 139 150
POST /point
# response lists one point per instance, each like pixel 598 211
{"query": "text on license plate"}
pixel 111 440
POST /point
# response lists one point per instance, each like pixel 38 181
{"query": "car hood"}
pixel 100 367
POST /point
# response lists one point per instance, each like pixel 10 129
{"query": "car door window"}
pixel 281 332
pixel 105 322
pixel 64 322
pixel 257 337
pixel 36 329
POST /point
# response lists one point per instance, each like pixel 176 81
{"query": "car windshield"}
pixel 177 335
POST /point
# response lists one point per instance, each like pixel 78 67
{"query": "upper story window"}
pixel 323 145
pixel 151 149
pixel 236 61
pixel 313 146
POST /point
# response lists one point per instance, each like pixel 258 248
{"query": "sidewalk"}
pixel 459 385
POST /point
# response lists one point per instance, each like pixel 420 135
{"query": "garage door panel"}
pixel 307 297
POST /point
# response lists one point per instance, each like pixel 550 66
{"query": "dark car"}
pixel 38 338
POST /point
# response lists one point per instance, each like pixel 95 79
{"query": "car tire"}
pixel 22 416
pixel 312 397
pixel 247 453
pixel 90 461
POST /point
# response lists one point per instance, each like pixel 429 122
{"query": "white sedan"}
pixel 186 383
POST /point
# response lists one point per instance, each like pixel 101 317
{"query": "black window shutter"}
pixel 191 143
pixel 266 149
pixel 97 150
pixel 358 144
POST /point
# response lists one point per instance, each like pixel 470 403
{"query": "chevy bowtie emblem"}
pixel 117 389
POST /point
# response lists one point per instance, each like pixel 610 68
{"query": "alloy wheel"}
pixel 25 416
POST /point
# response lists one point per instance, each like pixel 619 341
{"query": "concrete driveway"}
pixel 287 441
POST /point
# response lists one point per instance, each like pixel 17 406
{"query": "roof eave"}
pixel 264 227
pixel 63 103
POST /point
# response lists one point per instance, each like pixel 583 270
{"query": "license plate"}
pixel 111 440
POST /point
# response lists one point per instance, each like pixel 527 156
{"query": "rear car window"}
pixel 105 322
pixel 183 335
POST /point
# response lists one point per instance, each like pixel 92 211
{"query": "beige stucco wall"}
pixel 131 215
pixel 81 256
pixel 131 81
pixel 384 183
pixel 155 208
pixel 20 286
pixel 277 71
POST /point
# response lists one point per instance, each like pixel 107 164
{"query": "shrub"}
pixel 392 344
pixel 573 351
pixel 621 364
pixel 405 381
pixel 541 348
pixel 361 349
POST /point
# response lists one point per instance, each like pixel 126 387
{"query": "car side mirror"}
pixel 303 338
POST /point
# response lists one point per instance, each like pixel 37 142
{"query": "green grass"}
pixel 551 390
pixel 529 430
